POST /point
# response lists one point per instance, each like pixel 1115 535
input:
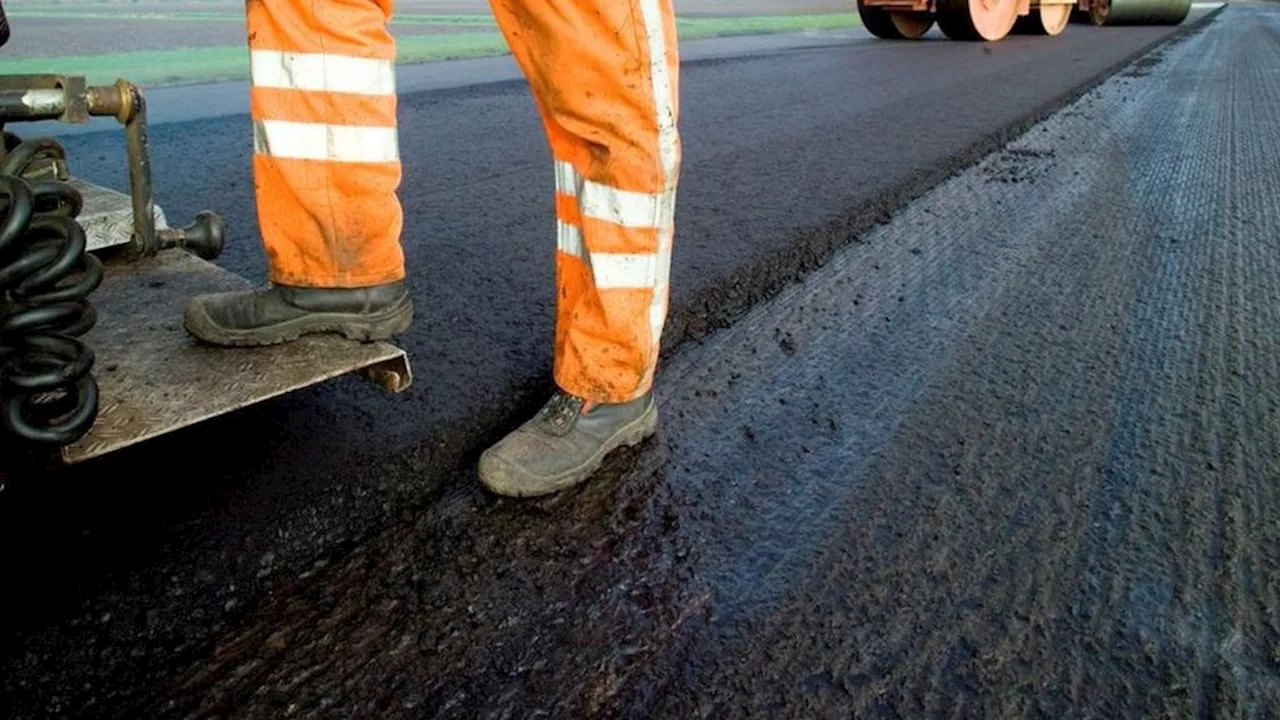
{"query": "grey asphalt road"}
pixel 1006 454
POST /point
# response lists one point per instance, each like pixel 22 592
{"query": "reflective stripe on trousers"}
pixel 326 149
pixel 604 75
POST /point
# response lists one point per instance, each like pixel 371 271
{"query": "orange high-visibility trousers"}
pixel 604 75
pixel 326 152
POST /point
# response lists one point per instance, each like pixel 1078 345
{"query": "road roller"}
pixel 94 357
pixel 992 20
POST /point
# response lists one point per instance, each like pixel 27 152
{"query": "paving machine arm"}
pixel 49 395
pixel 93 283
pixel 67 99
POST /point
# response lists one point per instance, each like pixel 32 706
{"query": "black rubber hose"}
pixel 20 158
pixel 20 203
pixel 54 197
pixel 64 235
pixel 4 27
pixel 48 395
pixel 19 412
pixel 61 360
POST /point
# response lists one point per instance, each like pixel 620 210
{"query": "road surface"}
pixel 1008 449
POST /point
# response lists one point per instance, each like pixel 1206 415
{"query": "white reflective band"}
pixel 624 271
pixel 661 286
pixel 568 182
pixel 663 95
pixel 316 141
pixel 616 271
pixel 317 72
pixel 620 207
pixel 569 240
pixel 668 151
pixel 623 207
pixel 662 272
pixel 657 316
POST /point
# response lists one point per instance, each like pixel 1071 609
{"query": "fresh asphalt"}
pixel 844 504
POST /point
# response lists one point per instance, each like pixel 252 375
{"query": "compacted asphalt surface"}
pixel 939 438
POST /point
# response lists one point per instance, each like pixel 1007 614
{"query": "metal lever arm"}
pixel 67 99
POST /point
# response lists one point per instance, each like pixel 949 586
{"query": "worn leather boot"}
pixel 281 313
pixel 563 445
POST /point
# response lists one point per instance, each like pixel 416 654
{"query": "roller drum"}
pixel 1139 12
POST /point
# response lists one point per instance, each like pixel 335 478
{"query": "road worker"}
pixel 326 164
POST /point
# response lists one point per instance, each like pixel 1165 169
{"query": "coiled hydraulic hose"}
pixel 48 395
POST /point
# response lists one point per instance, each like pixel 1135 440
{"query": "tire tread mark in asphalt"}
pixel 918 300
pixel 1204 278
pixel 949 285
pixel 1253 299
pixel 1136 508
pixel 900 606
pixel 1217 691
pixel 1266 354
pixel 934 293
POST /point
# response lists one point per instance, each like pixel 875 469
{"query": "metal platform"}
pixel 107 216
pixel 154 378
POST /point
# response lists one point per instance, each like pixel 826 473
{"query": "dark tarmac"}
pixel 1009 449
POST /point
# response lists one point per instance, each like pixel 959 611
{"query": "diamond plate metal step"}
pixel 154 378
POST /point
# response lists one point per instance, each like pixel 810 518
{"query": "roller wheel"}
pixel 1044 20
pixel 894 24
pixel 969 20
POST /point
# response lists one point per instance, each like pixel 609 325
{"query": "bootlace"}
pixel 561 412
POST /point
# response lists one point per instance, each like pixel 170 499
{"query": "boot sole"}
pixel 361 328
pixel 505 480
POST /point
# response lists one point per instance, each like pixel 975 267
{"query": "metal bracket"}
pixel 67 98
pixel 393 375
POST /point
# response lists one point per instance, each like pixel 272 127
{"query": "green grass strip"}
pixel 156 68
pixel 694 28
pixel 149 68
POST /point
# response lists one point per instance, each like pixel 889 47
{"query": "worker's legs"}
pixel 604 74
pixel 326 169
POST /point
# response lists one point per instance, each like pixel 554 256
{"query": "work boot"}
pixel 281 313
pixel 564 444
